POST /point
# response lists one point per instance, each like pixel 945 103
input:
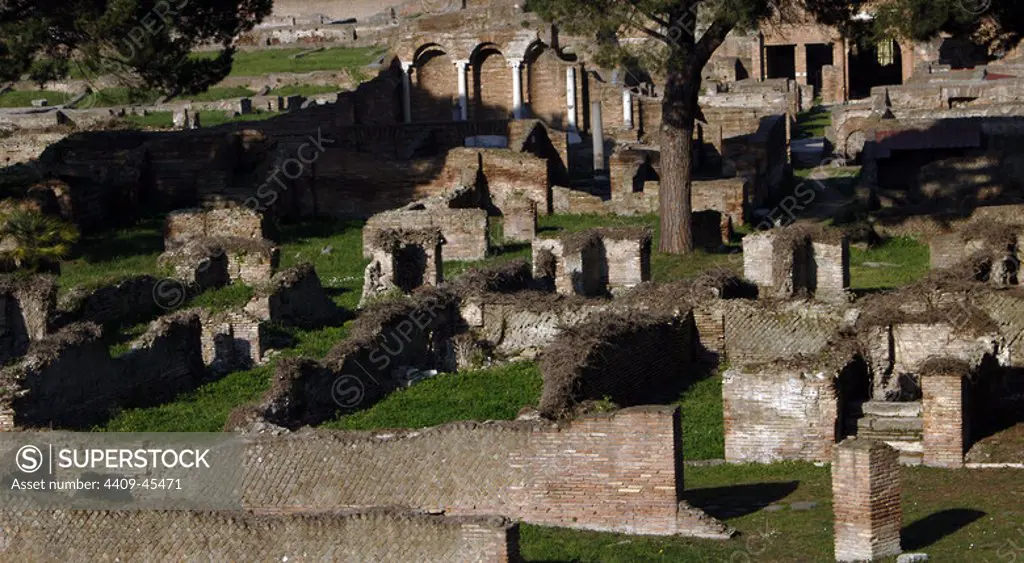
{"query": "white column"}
pixel 627 109
pixel 460 70
pixel 570 97
pixel 517 87
pixel 406 93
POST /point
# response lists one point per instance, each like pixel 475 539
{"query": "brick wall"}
pixel 866 501
pixel 516 327
pixel 612 472
pixel 490 86
pixel 776 412
pixel 944 412
pixel 498 174
pixel 370 535
pixel 520 220
pixel 831 263
pixel 434 88
pixel 189 224
pixel 760 333
pixel 629 262
pixel 546 89
pixel 233 340
pixel 464 230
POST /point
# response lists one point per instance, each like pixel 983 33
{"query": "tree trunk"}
pixel 679 111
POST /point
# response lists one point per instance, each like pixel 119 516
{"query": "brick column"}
pixel 801 63
pixel 866 500
pixel 758 58
pixel 942 408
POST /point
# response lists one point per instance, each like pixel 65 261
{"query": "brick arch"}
pixel 544 85
pixel 434 85
pixel 491 87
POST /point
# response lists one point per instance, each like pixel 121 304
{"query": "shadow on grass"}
pixel 934 527
pixel 146 237
pixel 739 500
pixel 317 228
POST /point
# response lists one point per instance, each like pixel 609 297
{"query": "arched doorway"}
pixel 434 86
pixel 492 84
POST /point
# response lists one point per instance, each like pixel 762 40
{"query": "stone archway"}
pixel 434 89
pixel 491 84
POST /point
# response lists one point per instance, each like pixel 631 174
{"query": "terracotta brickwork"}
pixel 866 500
pixel 612 472
pixel 775 412
pixel 464 230
pixel 944 412
pixel 351 536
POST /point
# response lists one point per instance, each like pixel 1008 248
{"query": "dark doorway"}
pixel 410 267
pixel 818 56
pixel 780 61
pixel 874 64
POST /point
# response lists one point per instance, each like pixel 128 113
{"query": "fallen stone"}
pixel 803 505
pixel 773 508
pixel 40 103
pixel 911 557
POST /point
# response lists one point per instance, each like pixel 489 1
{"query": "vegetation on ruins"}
pixel 145 42
pixel 684 34
pixel 34 241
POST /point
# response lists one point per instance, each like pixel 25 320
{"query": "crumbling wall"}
pixel 26 307
pixel 385 341
pixel 779 412
pixel 403 260
pixel 184 225
pixel 630 359
pixel 797 259
pixel 233 340
pixel 498 174
pixel 72 382
pixel 295 297
pixel 755 332
pixel 629 481
pixel 464 230
pixel 365 535
pixel 524 324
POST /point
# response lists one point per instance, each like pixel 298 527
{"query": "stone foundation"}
pixel 402 261
pixel 464 230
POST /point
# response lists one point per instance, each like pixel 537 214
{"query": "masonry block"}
pixel 403 260
pixel 520 219
pixel 866 500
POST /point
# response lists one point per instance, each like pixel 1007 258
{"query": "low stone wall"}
pixel 124 302
pixel 464 230
pixel 525 324
pixel 500 174
pixel 777 412
pixel 188 224
pixel 617 472
pixel 796 259
pixel 295 297
pixel 629 359
pixel 72 382
pixel 368 535
pixel 233 340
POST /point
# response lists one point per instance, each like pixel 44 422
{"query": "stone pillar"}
pixel 597 134
pixel 866 500
pixel 517 87
pixel 460 70
pixel 406 93
pixel 627 109
pixel 801 63
pixel 942 411
pixel 839 62
pixel 831 268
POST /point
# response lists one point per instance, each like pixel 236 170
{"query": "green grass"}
pixel 23 98
pixel 894 263
pixel 703 427
pixel 218 93
pixel 154 120
pixel 232 296
pixel 259 63
pixel 304 90
pixel 932 500
pixel 100 258
pixel 812 123
pixel 496 393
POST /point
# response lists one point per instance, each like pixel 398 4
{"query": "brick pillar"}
pixel 801 63
pixel 839 61
pixel 866 500
pixel 942 407
pixel 758 58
